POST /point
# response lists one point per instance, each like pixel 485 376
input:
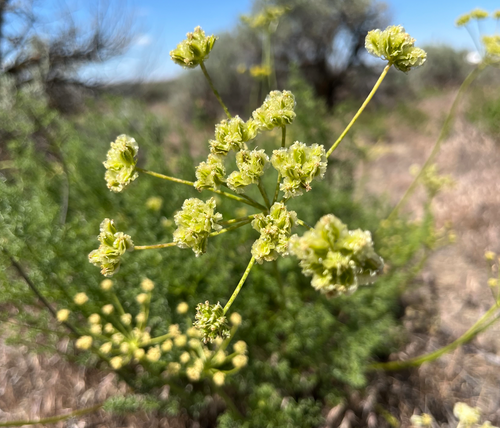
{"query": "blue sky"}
pixel 161 24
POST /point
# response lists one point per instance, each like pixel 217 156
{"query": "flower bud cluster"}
pixel 195 222
pixel 211 321
pixel 120 163
pixel 268 15
pixel 492 47
pixel 299 165
pixel 395 45
pixel 113 246
pixel 276 111
pixel 275 230
pixel 194 49
pixel 210 174
pixel 251 166
pixel 338 259
pixel 232 134
pixel 468 416
pixel 423 420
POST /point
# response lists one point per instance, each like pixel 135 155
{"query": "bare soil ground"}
pixel 449 296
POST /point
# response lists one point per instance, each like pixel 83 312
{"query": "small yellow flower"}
pixel 173 368
pixel 139 354
pixel 107 284
pixel 194 343
pixel 173 330
pixel 147 284
pixel 117 338
pixel 107 309
pixel 141 317
pixel 185 357
pixel 240 347
pixel 142 298
pixel 62 315
pixel 96 329
pixel 126 319
pixel 116 362
pixel 489 255
pixel 154 203
pixel 108 328
pixel 182 308
pixel 180 341
pixel 193 332
pixel 193 374
pixel 153 354
pixel 219 378
pixel 94 319
pixel 106 347
pixel 124 347
pixel 145 338
pixel 167 345
pixel 240 361
pixel 81 298
pixel 235 319
pixel 84 342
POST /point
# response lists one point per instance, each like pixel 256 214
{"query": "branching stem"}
pixel 283 145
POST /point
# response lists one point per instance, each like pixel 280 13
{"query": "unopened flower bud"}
pixel 153 354
pixel 116 363
pixel 240 361
pixel 107 309
pixel 94 319
pixel 107 284
pixel 235 319
pixel 80 298
pixel 84 342
pixel 219 378
pixel 141 298
pixel 167 345
pixel 62 315
pixel 180 341
pixel 182 308
pixel 147 285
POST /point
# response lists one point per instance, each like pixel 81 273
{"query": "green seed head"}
pixel 113 246
pixel 195 222
pixel 120 163
pixel 210 174
pixel 276 111
pixel 395 45
pixel 232 134
pixel 211 322
pixel 338 259
pixel 194 49
pixel 251 165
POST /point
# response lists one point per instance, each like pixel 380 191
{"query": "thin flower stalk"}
pixel 365 103
pixel 283 145
pixel 240 284
pixel 216 93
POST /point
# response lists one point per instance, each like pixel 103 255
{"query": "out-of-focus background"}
pixel 74 74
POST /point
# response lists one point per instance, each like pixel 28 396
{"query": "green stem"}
pixel 304 224
pixel 479 326
pixel 216 93
pixel 263 193
pixel 53 419
pixel 245 200
pixel 442 135
pixel 365 103
pixel 240 284
pixel 229 229
pixel 236 220
pixel 152 247
pixel 283 144
pixel 229 402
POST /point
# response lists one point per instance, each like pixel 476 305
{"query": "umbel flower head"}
pixel 396 46
pixel 211 321
pixel 338 259
pixel 275 230
pixel 299 165
pixel 210 174
pixel 194 49
pixel 120 163
pixel 232 134
pixel 277 110
pixel 251 165
pixel 113 246
pixel 194 223
pixel 492 47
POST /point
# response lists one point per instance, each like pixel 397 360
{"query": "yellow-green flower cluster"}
pixel 120 163
pixel 276 111
pixel 275 230
pixel 210 174
pixel 194 49
pixel 423 420
pixel 195 222
pixel 232 134
pixel 299 165
pixel 492 47
pixel 479 14
pixel 468 416
pixel 211 321
pixel 268 15
pixel 251 166
pixel 113 246
pixel 338 259
pixel 463 20
pixel 395 45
